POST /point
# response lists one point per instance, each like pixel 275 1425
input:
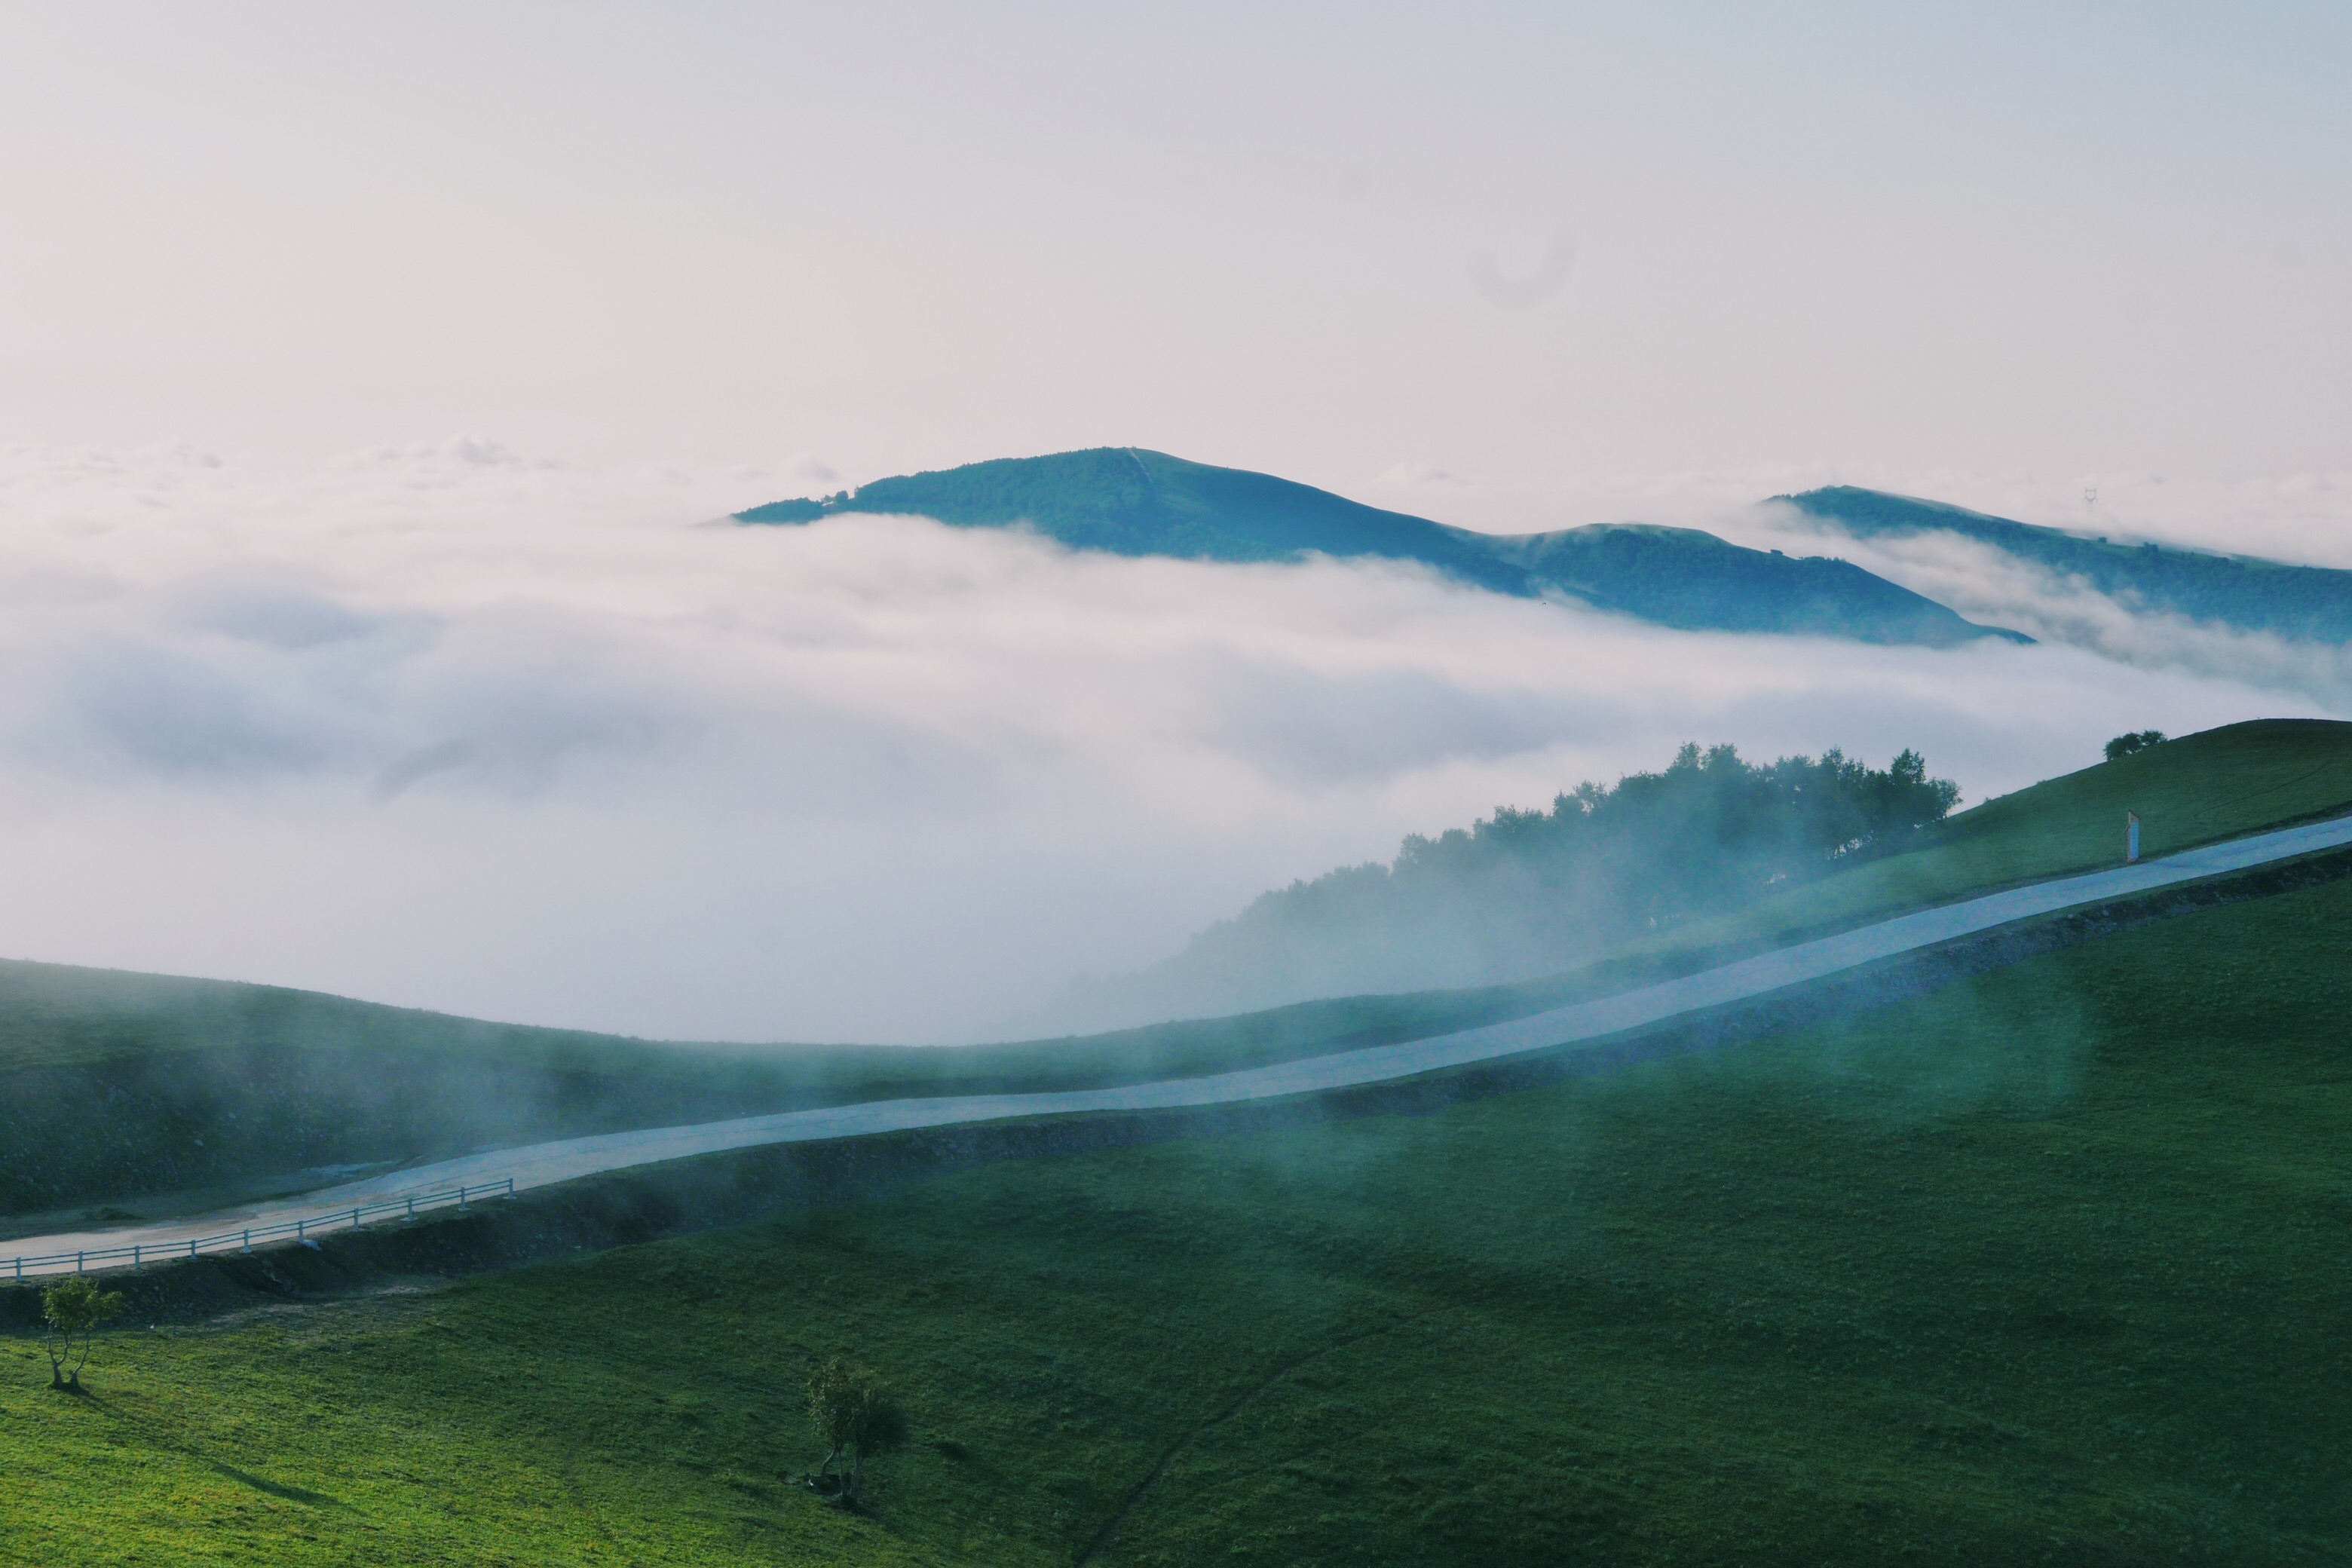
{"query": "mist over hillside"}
pixel 2143 601
pixel 672 894
pixel 1528 893
pixel 2248 592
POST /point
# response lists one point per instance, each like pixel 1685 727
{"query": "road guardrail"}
pixel 139 1255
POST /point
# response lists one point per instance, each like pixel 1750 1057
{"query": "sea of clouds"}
pixel 450 727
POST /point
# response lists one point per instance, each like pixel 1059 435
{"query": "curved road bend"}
pixel 538 1164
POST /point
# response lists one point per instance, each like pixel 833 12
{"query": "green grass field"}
pixel 2049 1265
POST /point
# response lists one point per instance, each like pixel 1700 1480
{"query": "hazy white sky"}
pixel 364 372
pixel 1524 246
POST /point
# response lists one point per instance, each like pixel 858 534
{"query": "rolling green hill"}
pixel 2047 1267
pixel 1125 501
pixel 1497 918
pixel 124 1087
pixel 2306 603
pixel 135 1089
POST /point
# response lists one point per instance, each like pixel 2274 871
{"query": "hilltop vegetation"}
pixel 1125 501
pixel 2302 604
pixel 2045 1266
pixel 1529 892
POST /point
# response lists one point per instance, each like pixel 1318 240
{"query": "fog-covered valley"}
pixel 451 726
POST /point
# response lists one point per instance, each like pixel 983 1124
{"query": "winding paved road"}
pixel 538 1164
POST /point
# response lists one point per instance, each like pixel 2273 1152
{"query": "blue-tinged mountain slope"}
pixel 1127 501
pixel 2302 604
pixel 1686 578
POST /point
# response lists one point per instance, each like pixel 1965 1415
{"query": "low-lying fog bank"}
pixel 449 728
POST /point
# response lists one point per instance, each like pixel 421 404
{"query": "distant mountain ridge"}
pixel 1127 500
pixel 2300 604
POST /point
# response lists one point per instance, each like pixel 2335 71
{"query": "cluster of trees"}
pixel 1710 830
pixel 2132 740
pixel 1529 891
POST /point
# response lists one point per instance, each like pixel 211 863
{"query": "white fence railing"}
pixel 140 1254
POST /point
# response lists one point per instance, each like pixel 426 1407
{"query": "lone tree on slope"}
pixel 2124 745
pixel 72 1310
pixel 853 1411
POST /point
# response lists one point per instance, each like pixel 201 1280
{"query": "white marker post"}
pixel 2131 836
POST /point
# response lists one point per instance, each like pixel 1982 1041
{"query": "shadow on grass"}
pixel 243 1477
pixel 291 1494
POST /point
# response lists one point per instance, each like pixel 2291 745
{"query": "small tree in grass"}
pixel 854 1414
pixel 2135 741
pixel 72 1311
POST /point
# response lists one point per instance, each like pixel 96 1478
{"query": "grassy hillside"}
pixel 2303 602
pixel 1128 502
pixel 146 1090
pixel 125 1087
pixel 2047 1266
pixel 2219 783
